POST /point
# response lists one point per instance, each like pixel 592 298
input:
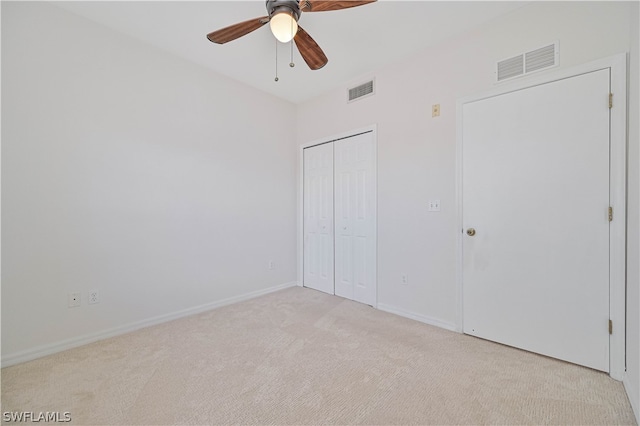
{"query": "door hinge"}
pixel 610 100
pixel 610 327
pixel 610 214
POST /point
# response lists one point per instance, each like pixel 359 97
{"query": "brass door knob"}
pixel 471 232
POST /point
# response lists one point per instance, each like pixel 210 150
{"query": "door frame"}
pixel 373 128
pixel 617 192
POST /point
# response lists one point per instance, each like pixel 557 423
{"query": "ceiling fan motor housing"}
pixel 287 6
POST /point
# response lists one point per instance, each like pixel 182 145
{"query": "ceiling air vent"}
pixel 361 91
pixel 528 62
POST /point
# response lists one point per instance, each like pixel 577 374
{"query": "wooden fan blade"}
pixel 233 32
pixel 309 49
pixel 326 5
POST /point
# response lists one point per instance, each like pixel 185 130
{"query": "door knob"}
pixel 471 232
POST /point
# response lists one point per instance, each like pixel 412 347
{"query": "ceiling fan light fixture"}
pixel 283 18
pixel 283 25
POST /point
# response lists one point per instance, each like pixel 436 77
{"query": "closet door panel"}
pixel 318 226
pixel 355 225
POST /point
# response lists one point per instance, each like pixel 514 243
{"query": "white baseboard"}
pixel 634 397
pixel 44 350
pixel 417 317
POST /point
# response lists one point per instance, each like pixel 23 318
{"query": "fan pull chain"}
pixel 291 64
pixel 276 79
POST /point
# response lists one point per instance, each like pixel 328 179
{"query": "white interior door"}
pixel 318 252
pixel 536 191
pixel 355 218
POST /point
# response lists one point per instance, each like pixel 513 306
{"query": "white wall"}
pixel 166 187
pixel 632 378
pixel 416 153
pixel 124 169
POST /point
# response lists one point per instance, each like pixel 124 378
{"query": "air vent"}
pixel 511 67
pixel 528 62
pixel 538 59
pixel 361 91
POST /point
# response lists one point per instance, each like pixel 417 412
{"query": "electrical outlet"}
pixel 74 299
pixel 434 205
pixel 93 297
pixel 272 265
pixel 405 279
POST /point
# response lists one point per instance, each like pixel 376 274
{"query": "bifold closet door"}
pixel 318 218
pixel 355 218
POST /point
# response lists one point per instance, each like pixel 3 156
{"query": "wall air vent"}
pixel 511 67
pixel 528 62
pixel 361 91
pixel 538 59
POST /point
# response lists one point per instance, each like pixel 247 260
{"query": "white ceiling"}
pixel 357 41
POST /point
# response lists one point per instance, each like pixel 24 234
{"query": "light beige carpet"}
pixel 303 357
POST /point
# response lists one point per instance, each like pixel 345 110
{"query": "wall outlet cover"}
pixel 74 299
pixel 94 297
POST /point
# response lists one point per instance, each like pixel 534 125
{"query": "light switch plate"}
pixel 434 205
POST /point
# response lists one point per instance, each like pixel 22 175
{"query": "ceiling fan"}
pixel 283 16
